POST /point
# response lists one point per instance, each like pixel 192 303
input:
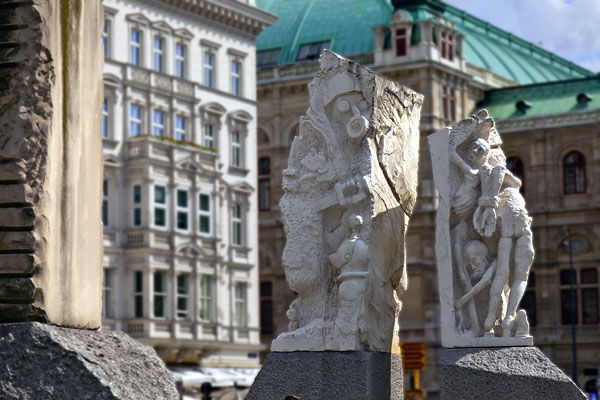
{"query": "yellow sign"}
pixel 413 355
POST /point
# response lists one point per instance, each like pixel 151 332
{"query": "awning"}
pixel 216 376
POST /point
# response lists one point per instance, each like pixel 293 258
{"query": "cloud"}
pixel 568 28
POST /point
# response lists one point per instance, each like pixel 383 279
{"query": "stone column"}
pixel 349 190
pixel 50 206
pixel 51 163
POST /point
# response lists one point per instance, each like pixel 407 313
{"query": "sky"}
pixel 568 28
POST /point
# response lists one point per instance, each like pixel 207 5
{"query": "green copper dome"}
pixel 347 27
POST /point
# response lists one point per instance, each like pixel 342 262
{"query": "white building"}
pixel 180 202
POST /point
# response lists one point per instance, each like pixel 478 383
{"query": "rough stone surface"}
pixel 484 244
pixel 349 189
pixel 328 375
pixel 41 361
pixel 504 373
pixel 50 160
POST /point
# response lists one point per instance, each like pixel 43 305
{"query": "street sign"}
pixel 413 355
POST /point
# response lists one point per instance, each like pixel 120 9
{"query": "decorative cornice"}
pixel 230 13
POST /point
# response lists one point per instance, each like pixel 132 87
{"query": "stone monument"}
pixel 484 252
pixel 349 190
pixel 50 229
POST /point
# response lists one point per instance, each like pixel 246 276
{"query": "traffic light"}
pixel 413 355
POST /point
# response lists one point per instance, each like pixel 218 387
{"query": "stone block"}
pixel 51 157
pixel 12 217
pixel 503 373
pixel 16 194
pixel 12 171
pixel 327 375
pixel 17 241
pixel 17 264
pixel 17 289
pixel 41 361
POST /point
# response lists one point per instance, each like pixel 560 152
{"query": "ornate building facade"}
pixel 180 199
pixel 460 64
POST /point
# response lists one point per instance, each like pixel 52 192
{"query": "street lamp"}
pixel 564 244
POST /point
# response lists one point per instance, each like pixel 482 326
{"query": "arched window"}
pixel 574 173
pixel 515 165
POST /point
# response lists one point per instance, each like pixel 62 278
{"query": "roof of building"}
pixel 543 99
pixel 348 24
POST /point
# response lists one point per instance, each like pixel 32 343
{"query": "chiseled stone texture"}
pixel 50 162
pixel 327 375
pixel 41 361
pixel 503 373
pixel 349 190
pixel 484 247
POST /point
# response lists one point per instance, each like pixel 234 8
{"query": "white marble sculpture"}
pixel 484 246
pixel 349 189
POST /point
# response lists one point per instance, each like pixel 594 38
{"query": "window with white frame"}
pixel 236 149
pixel 447 40
pixel 158 45
pixel 448 103
pixel 180 126
pixel 107 294
pixel 106 38
pixel 241 304
pixel 105 125
pixel 183 210
pixel 138 294
pixel 205 298
pixel 158 123
pixel 204 213
pixel 237 225
pixel 137 205
pixel 180 58
pixel 209 136
pixel 160 206
pixel 160 294
pixel 135 47
pixel 135 120
pixel 209 64
pixel 183 295
pixel 236 77
pixel 105 203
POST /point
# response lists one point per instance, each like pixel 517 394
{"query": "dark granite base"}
pixel 40 361
pixel 329 375
pixel 503 373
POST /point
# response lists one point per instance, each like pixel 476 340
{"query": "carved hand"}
pixel 484 220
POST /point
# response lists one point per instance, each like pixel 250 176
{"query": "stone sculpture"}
pixel 50 226
pixel 484 243
pixel 51 163
pixel 349 190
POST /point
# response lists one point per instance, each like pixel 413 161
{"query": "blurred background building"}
pixel 180 197
pixel 546 108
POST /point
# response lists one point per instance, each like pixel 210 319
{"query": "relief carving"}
pixel 344 218
pixel 484 242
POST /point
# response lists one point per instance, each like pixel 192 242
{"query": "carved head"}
pixel 478 153
pixel 475 255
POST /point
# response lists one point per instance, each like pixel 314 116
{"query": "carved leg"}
pixel 460 238
pixel 500 279
pixel 522 262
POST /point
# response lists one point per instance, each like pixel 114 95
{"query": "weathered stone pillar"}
pixel 349 190
pixel 50 162
pixel 50 229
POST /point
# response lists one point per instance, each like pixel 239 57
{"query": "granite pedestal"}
pixel 329 375
pixel 503 373
pixel 40 361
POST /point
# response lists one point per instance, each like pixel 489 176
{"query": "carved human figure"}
pixel 349 189
pixel 351 262
pixel 488 233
